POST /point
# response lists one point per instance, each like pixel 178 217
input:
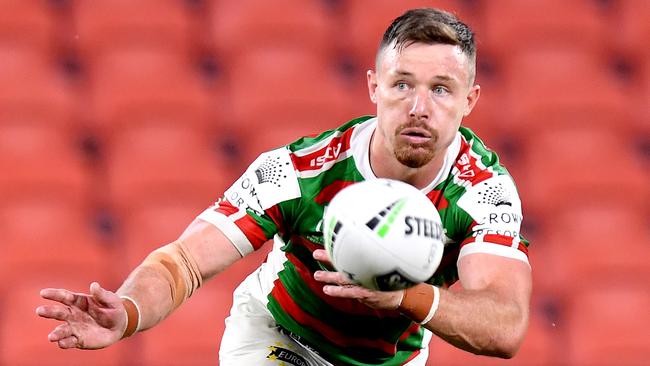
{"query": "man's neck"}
pixel 384 165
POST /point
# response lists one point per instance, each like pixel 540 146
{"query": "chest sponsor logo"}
pixel 331 153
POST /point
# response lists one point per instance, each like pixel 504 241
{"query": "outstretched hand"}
pixel 337 285
pixel 90 321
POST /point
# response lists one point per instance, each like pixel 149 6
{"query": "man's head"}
pixel 429 26
pixel 423 84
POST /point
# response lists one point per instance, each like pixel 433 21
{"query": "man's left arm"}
pixel 488 315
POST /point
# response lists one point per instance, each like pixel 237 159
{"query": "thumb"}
pixel 102 296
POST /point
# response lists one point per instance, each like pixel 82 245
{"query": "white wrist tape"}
pixel 130 329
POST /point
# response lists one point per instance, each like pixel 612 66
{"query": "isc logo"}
pixel 331 153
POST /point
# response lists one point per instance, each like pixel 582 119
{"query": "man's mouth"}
pixel 416 135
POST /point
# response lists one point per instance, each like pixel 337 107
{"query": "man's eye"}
pixel 402 86
pixel 440 90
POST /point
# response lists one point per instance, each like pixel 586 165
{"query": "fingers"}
pixel 321 256
pixel 58 312
pixel 346 291
pixel 337 278
pixel 104 297
pixel 69 342
pixel 61 332
pixel 57 294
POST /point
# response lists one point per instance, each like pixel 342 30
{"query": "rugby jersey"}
pixel 283 195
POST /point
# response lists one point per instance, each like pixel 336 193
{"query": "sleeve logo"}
pixel 495 206
pixel 270 180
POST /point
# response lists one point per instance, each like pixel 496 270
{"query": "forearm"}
pixel 152 293
pixel 478 321
pixel 166 278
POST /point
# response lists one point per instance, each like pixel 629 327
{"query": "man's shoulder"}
pixel 475 162
pixel 307 143
pixel 313 153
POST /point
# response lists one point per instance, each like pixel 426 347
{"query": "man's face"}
pixel 422 92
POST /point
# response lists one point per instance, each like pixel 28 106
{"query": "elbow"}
pixel 509 344
pixel 506 350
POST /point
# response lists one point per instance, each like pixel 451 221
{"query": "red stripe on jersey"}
pixel 348 306
pixel 329 152
pixel 438 199
pixel 499 240
pixel 327 193
pixel 252 230
pixel 275 215
pixel 522 247
pixel 225 207
pixel 280 293
pixel 414 328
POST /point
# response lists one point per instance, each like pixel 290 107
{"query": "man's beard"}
pixel 414 155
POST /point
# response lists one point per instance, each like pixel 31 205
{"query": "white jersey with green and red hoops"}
pixel 283 194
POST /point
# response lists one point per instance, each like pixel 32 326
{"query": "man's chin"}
pixel 414 158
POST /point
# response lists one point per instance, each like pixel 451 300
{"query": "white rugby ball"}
pixel 383 234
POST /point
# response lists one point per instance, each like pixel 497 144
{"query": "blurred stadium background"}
pixel 121 120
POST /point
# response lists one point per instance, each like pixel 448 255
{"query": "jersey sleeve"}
pixel 495 209
pixel 249 212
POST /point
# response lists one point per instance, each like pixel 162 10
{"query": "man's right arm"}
pixel 202 251
pixel 152 291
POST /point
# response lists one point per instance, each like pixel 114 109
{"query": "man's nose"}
pixel 421 108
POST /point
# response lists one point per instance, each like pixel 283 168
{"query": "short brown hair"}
pixel 430 26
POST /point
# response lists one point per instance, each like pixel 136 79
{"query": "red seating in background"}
pixel 572 160
pixel 154 117
pixel 150 222
pixel 39 133
pixel 105 24
pixel 39 155
pixel 289 90
pixel 136 85
pixel 24 334
pixel 51 232
pixel 32 89
pixel 633 30
pixel 240 26
pixel 593 238
pixel 608 324
pixel 547 84
pixel 533 23
pixel 27 22
pixel 158 160
pixel 364 23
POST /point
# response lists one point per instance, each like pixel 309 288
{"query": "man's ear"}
pixel 472 99
pixel 372 85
